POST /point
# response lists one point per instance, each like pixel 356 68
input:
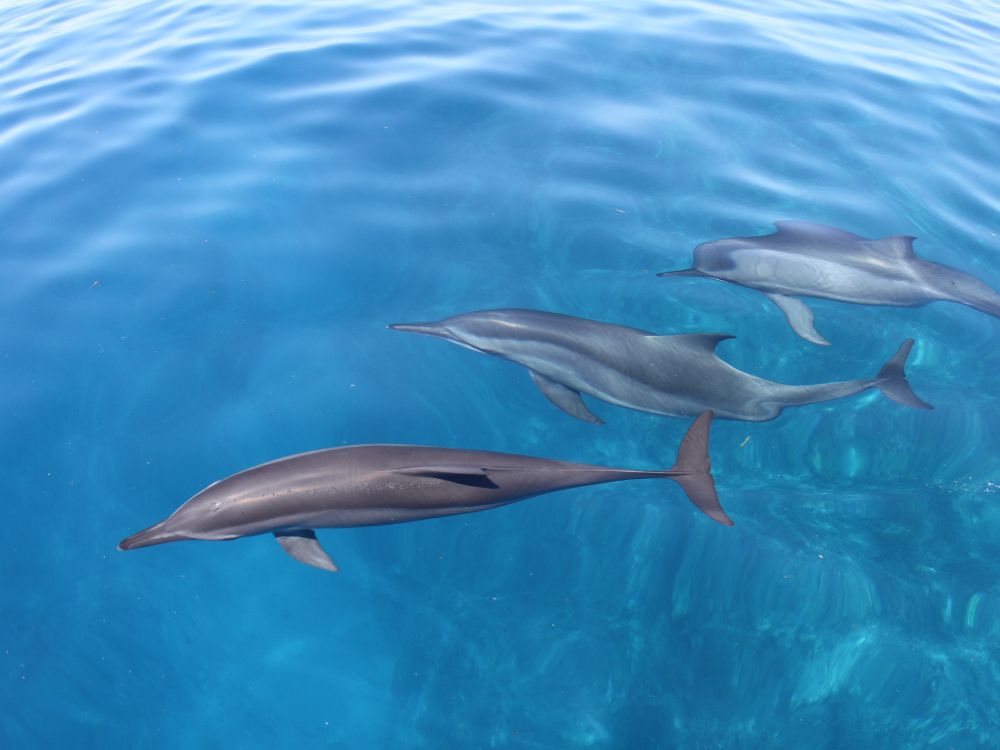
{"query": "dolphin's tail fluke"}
pixel 693 470
pixel 155 534
pixel 891 379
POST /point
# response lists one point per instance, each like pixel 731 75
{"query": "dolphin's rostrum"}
pixel 814 260
pixel 677 375
pixel 366 485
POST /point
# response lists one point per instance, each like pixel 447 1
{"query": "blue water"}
pixel 208 213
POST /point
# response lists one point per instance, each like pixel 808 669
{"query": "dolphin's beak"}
pixel 431 329
pixel 435 329
pixel 685 272
pixel 148 537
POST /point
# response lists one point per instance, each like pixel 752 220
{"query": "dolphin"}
pixel 814 260
pixel 368 485
pixel 677 376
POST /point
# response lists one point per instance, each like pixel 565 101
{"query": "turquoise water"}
pixel 208 213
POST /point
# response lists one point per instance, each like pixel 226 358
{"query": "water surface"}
pixel 208 213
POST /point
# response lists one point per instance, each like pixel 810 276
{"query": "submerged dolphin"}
pixel 368 485
pixel 676 375
pixel 813 260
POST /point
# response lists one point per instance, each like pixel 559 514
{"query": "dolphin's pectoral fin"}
pixel 799 316
pixel 898 246
pixel 470 477
pixel 808 232
pixel 304 547
pixel 565 398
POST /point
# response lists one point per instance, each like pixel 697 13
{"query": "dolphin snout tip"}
pixel 155 534
pixel 131 542
pixel 434 329
pixel 684 272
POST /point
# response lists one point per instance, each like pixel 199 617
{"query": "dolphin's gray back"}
pixel 376 484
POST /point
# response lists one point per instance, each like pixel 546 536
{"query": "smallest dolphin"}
pixel 369 485
pixel 802 259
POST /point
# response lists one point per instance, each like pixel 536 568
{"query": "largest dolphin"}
pixel 675 376
pixel 366 485
pixel 814 260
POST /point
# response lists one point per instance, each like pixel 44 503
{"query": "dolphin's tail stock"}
pixel 958 286
pixel 979 296
pixel 693 470
pixel 988 306
pixel 891 379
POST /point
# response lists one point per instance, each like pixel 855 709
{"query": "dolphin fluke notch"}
pixel 891 379
pixel 692 470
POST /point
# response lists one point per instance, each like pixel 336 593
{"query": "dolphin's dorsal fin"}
pixel 897 246
pixel 705 342
pixel 565 398
pixel 800 231
pixel 470 476
pixel 304 547
pixel 799 317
